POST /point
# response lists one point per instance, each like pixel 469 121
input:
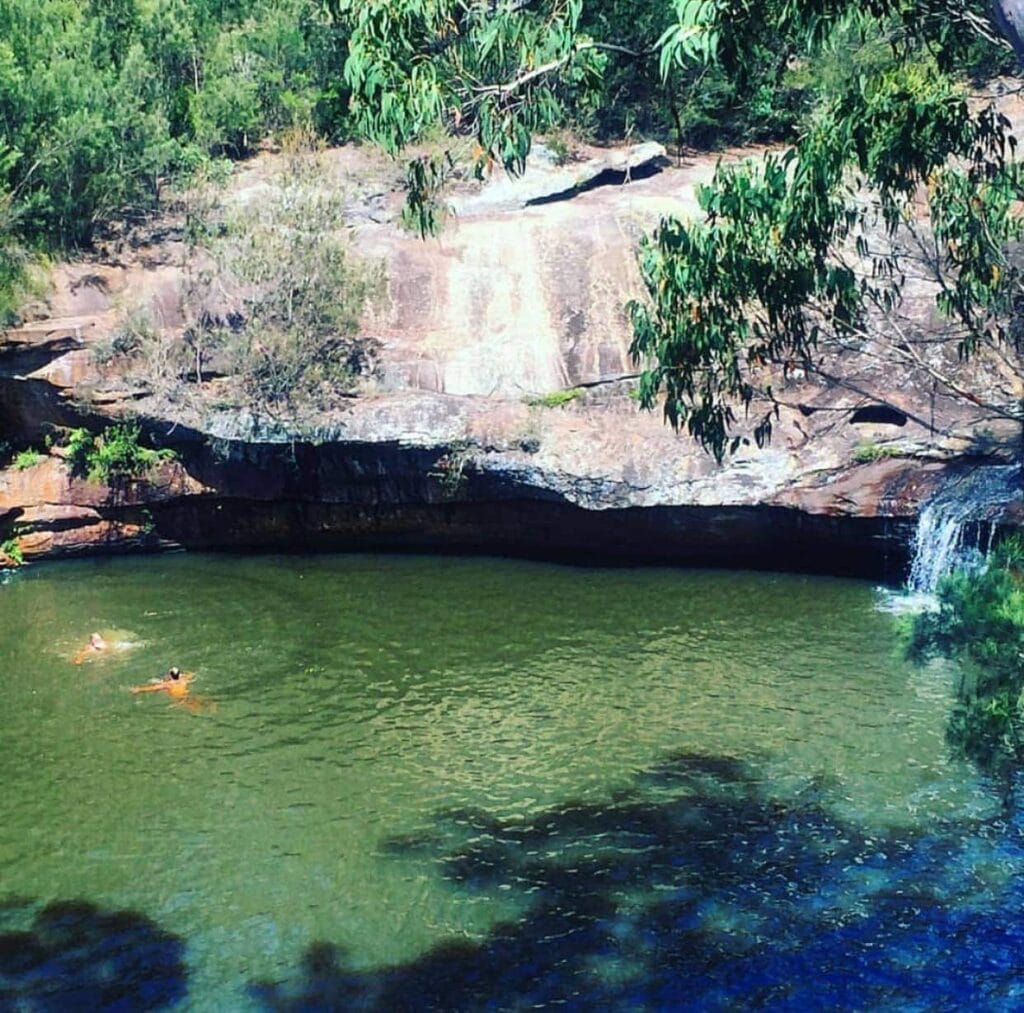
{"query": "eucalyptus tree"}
pixel 895 168
pixel 103 101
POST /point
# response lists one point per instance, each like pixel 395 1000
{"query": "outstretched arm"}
pixel 153 687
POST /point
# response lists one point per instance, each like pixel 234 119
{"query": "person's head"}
pixel 95 640
pixel 174 673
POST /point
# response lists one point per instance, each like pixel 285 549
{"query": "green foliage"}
pixel 555 399
pixel 560 149
pixel 87 138
pixel 870 89
pixel 14 277
pixel 398 93
pixel 18 265
pixel 114 456
pixel 480 70
pixel 500 73
pixel 293 336
pixel 977 56
pixel 100 102
pixel 666 94
pixel 147 525
pixel 979 623
pixel 11 548
pixel 129 339
pixel 450 468
pixel 27 458
pixel 81 445
pixel 273 300
pixel 867 453
pixel 425 211
pixel 762 279
pixel 268 72
pixel 973 217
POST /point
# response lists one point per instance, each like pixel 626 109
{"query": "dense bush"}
pixel 114 456
pixel 699 107
pixel 979 623
pixel 273 299
pixel 101 101
pixel 761 97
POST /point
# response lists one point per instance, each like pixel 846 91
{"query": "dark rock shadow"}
pixel 76 956
pixel 695 890
pixel 607 177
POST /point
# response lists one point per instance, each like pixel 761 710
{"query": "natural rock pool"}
pixel 415 783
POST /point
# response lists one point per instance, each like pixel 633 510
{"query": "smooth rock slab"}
pixel 543 180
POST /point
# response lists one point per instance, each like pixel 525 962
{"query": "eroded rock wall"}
pixel 453 445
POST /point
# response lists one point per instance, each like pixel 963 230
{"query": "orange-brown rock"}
pixel 453 445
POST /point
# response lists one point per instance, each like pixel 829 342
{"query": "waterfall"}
pixel 957 525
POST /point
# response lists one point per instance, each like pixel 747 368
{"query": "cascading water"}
pixel 958 524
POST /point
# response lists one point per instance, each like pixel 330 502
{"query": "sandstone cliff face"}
pixel 452 446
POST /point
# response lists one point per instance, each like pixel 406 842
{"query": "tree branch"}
pixel 546 68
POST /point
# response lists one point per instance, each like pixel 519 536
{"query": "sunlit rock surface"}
pixel 451 444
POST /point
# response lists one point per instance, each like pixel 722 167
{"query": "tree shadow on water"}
pixel 695 890
pixel 76 956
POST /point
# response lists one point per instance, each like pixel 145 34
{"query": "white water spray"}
pixel 957 525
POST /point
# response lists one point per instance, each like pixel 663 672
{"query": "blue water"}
pixel 472 784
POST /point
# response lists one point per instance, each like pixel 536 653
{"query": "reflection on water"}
pixel 73 956
pixel 474 783
pixel 711 897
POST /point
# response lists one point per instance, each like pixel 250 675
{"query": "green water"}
pixel 364 718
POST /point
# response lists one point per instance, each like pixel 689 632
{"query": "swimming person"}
pixel 95 645
pixel 175 684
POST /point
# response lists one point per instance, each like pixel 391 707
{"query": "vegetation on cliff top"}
pixel 102 102
pixel 891 168
pixel 893 171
